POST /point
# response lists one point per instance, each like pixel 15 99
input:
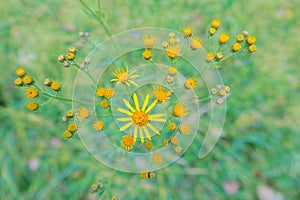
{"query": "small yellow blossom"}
pixel 215 23
pixel 223 38
pixel 100 92
pixel 123 76
pixel 164 44
pixel 127 142
pixel 82 113
pixel 160 94
pixel 212 31
pixel 72 49
pixel 209 57
pixel 184 129
pixel 70 56
pixel 236 47
pixel 27 80
pixel 214 91
pixel 32 93
pixel 173 50
pixel 174 140
pixel 109 92
pixel 55 86
pixel 190 83
pixel 179 110
pixel 104 104
pixel 148 145
pixel 47 82
pixel 157 158
pixel 227 89
pixel 147 54
pixel 171 35
pixel 196 43
pixel 144 174
pixel 252 48
pixel 187 32
pixel 165 143
pixel 98 125
pixel 61 58
pixel 69 113
pixel 222 92
pixel 32 105
pixel 18 82
pixel 20 72
pixel 172 126
pixel 240 38
pixel 178 149
pixel 148 41
pixel 251 39
pixel 72 127
pixel 219 56
pixel 68 134
pixel 172 71
pixel 151 175
pixel 172 41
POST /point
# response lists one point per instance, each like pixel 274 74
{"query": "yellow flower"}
pixel 224 37
pixel 140 118
pixel 94 187
pixel 98 125
pixel 214 91
pixel 171 35
pixel 240 38
pixel 184 129
pixel 178 149
pixel 27 80
pixel 70 56
pixel 187 32
pixel 122 76
pixel 109 92
pixel 251 40
pixel 172 41
pixel 174 140
pixel 245 33
pixel 165 143
pixel 236 47
pixel 104 104
pixel 157 158
pixel 212 31
pixel 20 72
pixel 32 105
pixel 173 50
pixel 144 174
pixel 72 127
pixel 100 92
pixel 82 113
pixel 172 71
pixel 190 83
pixel 47 82
pixel 172 126
pixel 148 41
pixel 222 92
pixel 164 44
pixel 18 82
pixel 215 23
pixel 72 49
pixel 114 198
pixel 219 56
pixel 55 86
pixel 179 110
pixel 148 145
pixel 252 48
pixel 32 93
pixel 69 113
pixel 61 58
pixel 127 142
pixel 68 134
pixel 151 175
pixel 209 57
pixel 160 93
pixel 147 54
pixel 196 43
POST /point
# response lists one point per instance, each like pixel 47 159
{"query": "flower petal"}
pixel 128 105
pixel 153 129
pixel 136 101
pixel 145 102
pixel 151 106
pixel 122 110
pixel 141 135
pixel 156 115
pixel 126 126
pixel 147 132
pixel 135 132
pixel 124 119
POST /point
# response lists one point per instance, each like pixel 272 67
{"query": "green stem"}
pixel 204 99
pixel 65 99
pixel 227 57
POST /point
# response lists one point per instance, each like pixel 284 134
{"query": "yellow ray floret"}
pixel 123 76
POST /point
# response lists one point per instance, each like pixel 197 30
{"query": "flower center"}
pixel 140 118
pixel 123 77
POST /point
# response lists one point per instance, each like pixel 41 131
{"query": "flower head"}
pixel 160 94
pixel 32 93
pixel 20 72
pixel 98 125
pixel 172 71
pixel 148 41
pixel 184 129
pixel 18 82
pixel 28 80
pixel 82 113
pixel 252 48
pixel 187 32
pixel 140 118
pixel 224 37
pixel 70 56
pixel 100 92
pixel 147 54
pixel 236 47
pixel 123 76
pixel 47 82
pixel 172 126
pixel 174 140
pixel 69 113
pixel 72 127
pixel 212 31
pixel 109 92
pixel 157 158
pixel 68 134
pixel 61 58
pixel 55 86
pixel 104 104
pixel 209 57
pixel 215 23
pixel 219 56
pixel 127 142
pixel 251 39
pixel 196 43
pixel 32 106
pixel 144 174
pixel 173 50
pixel 240 38
pixel 190 83
pixel 179 110
pixel 148 145
pixel 72 49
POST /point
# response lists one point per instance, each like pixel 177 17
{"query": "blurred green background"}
pixel 258 156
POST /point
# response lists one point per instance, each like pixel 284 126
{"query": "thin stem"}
pixel 204 99
pixel 65 99
pixel 227 57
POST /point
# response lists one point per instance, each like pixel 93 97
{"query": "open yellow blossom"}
pixel 173 50
pixel 240 38
pixel 160 94
pixel 140 118
pixel 196 43
pixel 69 113
pixel 32 93
pixel 174 140
pixel 209 57
pixel 151 175
pixel 104 104
pixel 55 86
pixel 157 158
pixel 70 56
pixel 172 126
pixel 147 54
pixel 222 92
pixel 72 127
pixel 68 134
pixel 72 49
pixel 100 92
pixel 219 56
pixel 252 48
pixel 148 145
pixel 212 31
pixel 144 174
pixel 28 80
pixel 224 37
pixel 123 76
pixel 109 92
pixel 236 47
pixel 18 82
pixel 172 71
pixel 215 23
pixel 20 72
pixel 165 143
pixel 82 113
pixel 179 110
pixel 148 41
pixel 127 142
pixel 61 58
pixel 32 105
pixel 251 39
pixel 184 129
pixel 190 83
pixel 98 125
pixel 187 32
pixel 178 149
